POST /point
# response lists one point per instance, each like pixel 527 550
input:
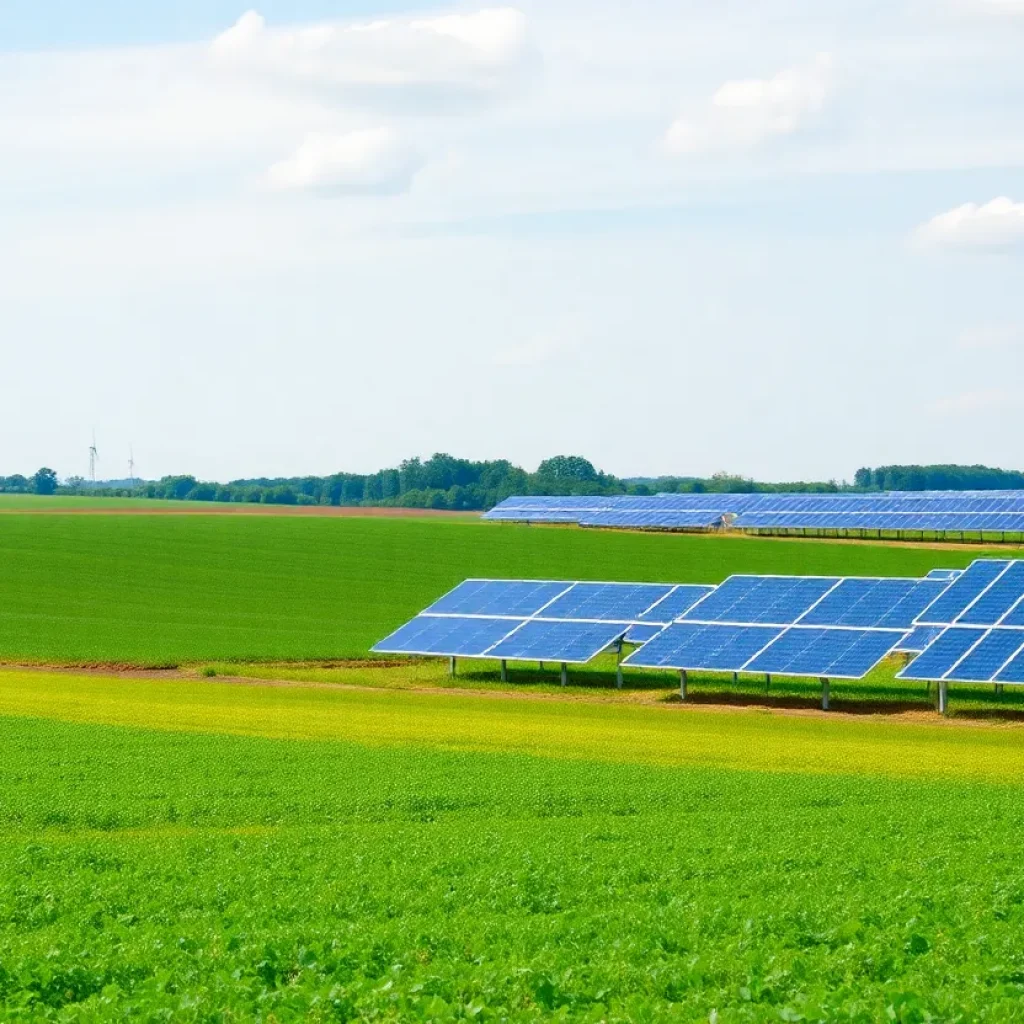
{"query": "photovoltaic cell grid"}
pixel 499 618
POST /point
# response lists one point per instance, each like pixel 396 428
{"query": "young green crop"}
pixel 195 877
pixel 154 590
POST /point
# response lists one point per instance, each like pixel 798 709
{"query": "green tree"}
pixel 44 481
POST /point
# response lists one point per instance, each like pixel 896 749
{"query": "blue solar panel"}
pixel 640 634
pixel 679 601
pixel 1013 671
pixel 962 592
pixel 687 645
pixel 608 601
pixel 998 599
pixel 575 642
pixel 943 654
pixel 520 598
pixel 918 639
pixel 944 574
pixel 762 599
pixel 877 603
pixel 449 635
pixel 984 661
pixel 828 653
pixel 536 515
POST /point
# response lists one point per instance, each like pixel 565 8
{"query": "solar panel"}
pixel 762 599
pixel 962 593
pixel 571 642
pixel 1012 671
pixel 918 639
pixel 685 645
pixel 825 653
pixel 607 601
pixel 641 633
pixel 874 603
pixel 1000 597
pixel 677 602
pixel 447 635
pixel 649 519
pixel 983 662
pixel 939 657
pixel 944 574
pixel 520 598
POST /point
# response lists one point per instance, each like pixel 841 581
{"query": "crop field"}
pixel 205 851
pixel 169 590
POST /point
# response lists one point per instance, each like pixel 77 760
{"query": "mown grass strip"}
pixel 547 728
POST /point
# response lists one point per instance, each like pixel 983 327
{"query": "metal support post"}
pixel 735 678
pixel 565 674
pixel 943 701
pixel 682 684
pixel 767 681
pixel 451 666
pixel 618 666
pixel 542 666
pixel 504 671
pixel 824 695
pixel 999 689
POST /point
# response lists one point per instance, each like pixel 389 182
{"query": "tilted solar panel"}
pixel 446 635
pixel 941 655
pixel 918 639
pixel 962 592
pixel 608 601
pixel 677 602
pixel 685 645
pixel 877 603
pixel 571 642
pixel 999 598
pixel 521 598
pixel 762 599
pixel 983 662
pixel 825 653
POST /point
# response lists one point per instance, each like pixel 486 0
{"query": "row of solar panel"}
pixel 820 626
pixel 970 655
pixel 938 522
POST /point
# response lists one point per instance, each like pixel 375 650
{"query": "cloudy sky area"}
pixel 774 237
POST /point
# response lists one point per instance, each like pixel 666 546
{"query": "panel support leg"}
pixel 618 666
pixel 542 666
pixel 565 674
pixel 504 671
pixel 682 684
pixel 735 678
pixel 451 666
pixel 943 697
pixel 767 681
pixel 824 695
pixel 999 689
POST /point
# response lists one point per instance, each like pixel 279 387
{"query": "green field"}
pixel 167 590
pixel 400 857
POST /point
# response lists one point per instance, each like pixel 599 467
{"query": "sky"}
pixel 778 238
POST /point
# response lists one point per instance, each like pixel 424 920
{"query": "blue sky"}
pixel 776 238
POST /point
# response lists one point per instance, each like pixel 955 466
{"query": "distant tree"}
pixel 567 467
pixel 862 479
pixel 44 481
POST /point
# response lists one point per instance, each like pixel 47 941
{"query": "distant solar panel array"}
pixel 925 512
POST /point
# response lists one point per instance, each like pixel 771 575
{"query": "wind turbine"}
pixel 131 466
pixel 93 458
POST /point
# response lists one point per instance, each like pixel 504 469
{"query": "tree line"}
pixel 445 482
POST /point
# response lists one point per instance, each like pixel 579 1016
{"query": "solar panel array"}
pixel 540 620
pixel 824 627
pixel 793 625
pixel 979 622
pixel 931 511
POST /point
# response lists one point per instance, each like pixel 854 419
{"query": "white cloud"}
pixel 424 63
pixel 991 336
pixel 374 161
pixel 997 224
pixel 746 112
pixel 559 342
pixel 987 400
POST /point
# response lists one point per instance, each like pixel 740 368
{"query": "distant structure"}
pixel 131 466
pixel 93 458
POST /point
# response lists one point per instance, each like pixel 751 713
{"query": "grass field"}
pixel 159 590
pixel 166 855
